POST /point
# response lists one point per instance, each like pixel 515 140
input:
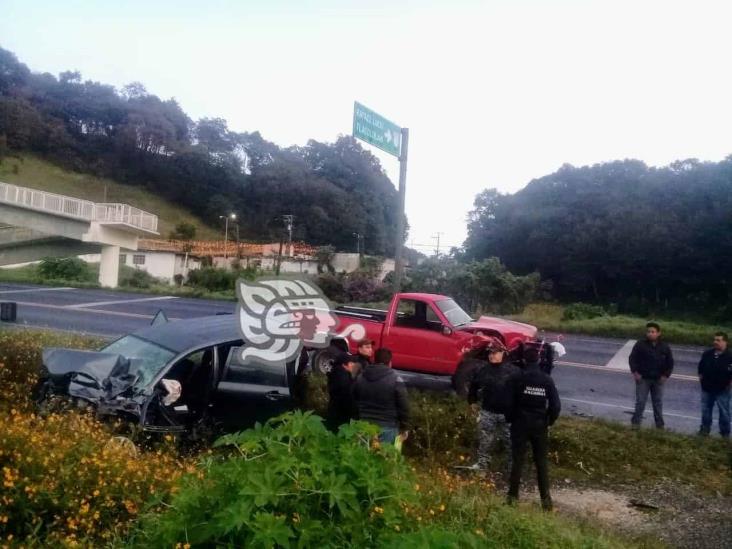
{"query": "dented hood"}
pixel 90 375
pixel 513 332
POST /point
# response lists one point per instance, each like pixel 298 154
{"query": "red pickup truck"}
pixel 428 333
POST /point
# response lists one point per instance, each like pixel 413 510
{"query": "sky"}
pixel 494 93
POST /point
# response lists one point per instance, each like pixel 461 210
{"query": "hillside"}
pixel 332 190
pixel 39 174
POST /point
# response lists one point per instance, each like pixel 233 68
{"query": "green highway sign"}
pixel 377 130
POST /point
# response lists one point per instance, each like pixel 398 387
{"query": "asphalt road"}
pixel 592 378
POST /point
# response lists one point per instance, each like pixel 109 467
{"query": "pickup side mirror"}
pixel 446 330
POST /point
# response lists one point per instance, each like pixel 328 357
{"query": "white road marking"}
pixel 95 311
pixel 606 404
pixel 118 302
pixel 28 290
pixel 620 360
pixel 680 377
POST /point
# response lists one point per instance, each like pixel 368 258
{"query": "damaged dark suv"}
pixel 173 377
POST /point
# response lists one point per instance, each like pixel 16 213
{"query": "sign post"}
pixel 373 128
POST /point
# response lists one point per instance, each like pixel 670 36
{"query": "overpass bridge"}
pixel 36 224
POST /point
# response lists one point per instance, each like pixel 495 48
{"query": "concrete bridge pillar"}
pixel 109 266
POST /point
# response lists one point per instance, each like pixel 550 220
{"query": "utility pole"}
pixel 398 266
pixel 288 219
pixel 226 231
pixel 358 242
pixel 437 249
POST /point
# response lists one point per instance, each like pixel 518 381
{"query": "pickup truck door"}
pixel 416 339
pixel 249 392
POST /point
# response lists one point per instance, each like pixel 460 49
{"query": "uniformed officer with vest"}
pixel 533 408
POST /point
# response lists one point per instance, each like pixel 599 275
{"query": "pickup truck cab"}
pixel 428 333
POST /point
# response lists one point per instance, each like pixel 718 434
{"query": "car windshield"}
pixel 150 358
pixel 454 314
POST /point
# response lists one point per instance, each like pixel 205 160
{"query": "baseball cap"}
pixel 344 358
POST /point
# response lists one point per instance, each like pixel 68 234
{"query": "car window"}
pixel 454 314
pixel 149 358
pixel 412 313
pixel 238 371
pixel 432 316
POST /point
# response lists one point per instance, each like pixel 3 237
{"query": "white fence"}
pixel 124 213
pixel 77 208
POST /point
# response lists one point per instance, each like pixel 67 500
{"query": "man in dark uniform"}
pixel 491 389
pixel 341 404
pixel 534 407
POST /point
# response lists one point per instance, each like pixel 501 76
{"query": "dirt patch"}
pixel 674 513
pixel 607 507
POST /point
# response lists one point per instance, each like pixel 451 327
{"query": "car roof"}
pixel 192 333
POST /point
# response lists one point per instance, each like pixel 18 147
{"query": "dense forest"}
pixel 647 239
pixel 333 190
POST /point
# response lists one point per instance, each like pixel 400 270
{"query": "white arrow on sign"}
pixel 387 136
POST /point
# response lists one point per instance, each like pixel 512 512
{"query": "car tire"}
pixel 464 374
pixel 323 361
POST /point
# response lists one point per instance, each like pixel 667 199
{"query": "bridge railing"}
pixel 77 208
pixel 47 202
pixel 124 213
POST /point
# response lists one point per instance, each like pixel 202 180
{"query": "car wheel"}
pixel 323 361
pixel 464 374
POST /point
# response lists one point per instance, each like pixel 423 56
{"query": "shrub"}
pixel 20 361
pixel 363 288
pixel 66 481
pixel 137 278
pixel 212 279
pixel 65 268
pixel 442 425
pixel 582 311
pixel 333 286
pixel 290 483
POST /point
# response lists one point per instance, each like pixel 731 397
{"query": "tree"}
pixel 183 231
pixel 332 189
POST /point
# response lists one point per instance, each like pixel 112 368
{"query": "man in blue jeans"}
pixel 651 364
pixel 715 375
pixel 381 398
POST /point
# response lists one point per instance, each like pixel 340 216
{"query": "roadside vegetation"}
pixel 594 320
pixel 70 481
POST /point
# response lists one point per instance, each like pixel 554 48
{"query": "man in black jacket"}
pixel 715 375
pixel 381 397
pixel 651 363
pixel 341 403
pixel 364 353
pixel 491 389
pixel 533 408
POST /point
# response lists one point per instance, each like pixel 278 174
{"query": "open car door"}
pixel 181 397
pixel 249 392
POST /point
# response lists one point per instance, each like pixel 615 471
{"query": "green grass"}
pixel 547 316
pixel 36 173
pixel 29 275
pixel 592 452
pixel 603 453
